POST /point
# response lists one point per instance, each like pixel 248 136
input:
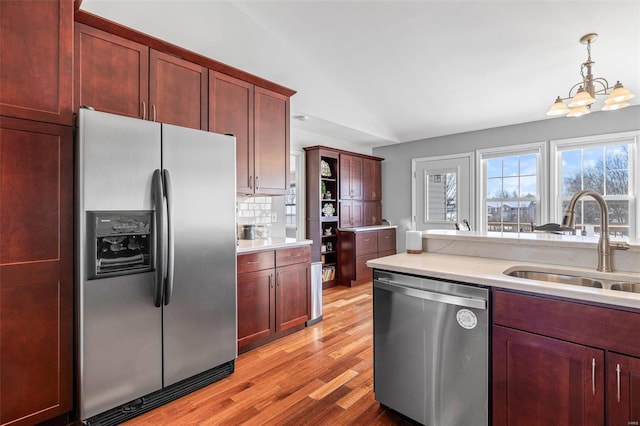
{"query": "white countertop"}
pixel 485 271
pixel 273 243
pixel 367 228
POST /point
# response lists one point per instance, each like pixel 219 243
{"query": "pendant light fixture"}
pixel 583 94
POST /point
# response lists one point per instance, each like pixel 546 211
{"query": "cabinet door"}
pixel 350 177
pixel 351 214
pixel 111 73
pixel 538 380
pixel 372 213
pixel 292 295
pixel 178 91
pixel 36 39
pixel 36 270
pixel 386 240
pixel 623 390
pixel 372 179
pixel 256 306
pixel 271 142
pixel 231 112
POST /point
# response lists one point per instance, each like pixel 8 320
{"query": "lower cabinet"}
pixel 274 295
pixel 552 359
pixel 356 248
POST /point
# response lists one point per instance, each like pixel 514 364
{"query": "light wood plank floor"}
pixel 322 375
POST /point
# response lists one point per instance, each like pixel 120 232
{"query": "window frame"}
pixel 557 146
pixel 538 148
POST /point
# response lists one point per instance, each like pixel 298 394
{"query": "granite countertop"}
pixel 273 243
pixel 485 271
pixel 367 228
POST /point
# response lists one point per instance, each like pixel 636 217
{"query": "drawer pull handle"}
pixel 293 256
pixel 618 380
pixel 252 262
pixel 593 375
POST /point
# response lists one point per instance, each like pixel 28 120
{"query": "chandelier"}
pixel 587 90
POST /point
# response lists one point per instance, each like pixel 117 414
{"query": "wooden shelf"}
pixel 329 219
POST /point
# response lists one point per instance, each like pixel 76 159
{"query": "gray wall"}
pixel 396 168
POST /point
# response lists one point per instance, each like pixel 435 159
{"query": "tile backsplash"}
pixel 254 210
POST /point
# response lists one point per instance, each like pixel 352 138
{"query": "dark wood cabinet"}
pixel 271 143
pixel 623 389
pixel 36 271
pixel 351 214
pixel 351 177
pixel 357 248
pixel 231 112
pixel 274 295
pixel 551 357
pixel 259 119
pixel 36 48
pixel 111 73
pixel 372 213
pixel 36 57
pixel 372 179
pixel 178 91
pixel 120 76
pixel 538 380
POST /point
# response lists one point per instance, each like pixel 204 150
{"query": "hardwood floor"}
pixel 322 375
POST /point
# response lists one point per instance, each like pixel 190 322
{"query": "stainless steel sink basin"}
pixel 558 278
pixel 626 286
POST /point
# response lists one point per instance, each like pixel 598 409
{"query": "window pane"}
pixel 494 188
pixel 617 157
pixel 528 186
pixel 593 158
pixel 528 165
pixel 618 218
pixel 617 182
pixel 571 183
pixel 510 187
pixel 494 167
pixel 571 161
pixel 510 166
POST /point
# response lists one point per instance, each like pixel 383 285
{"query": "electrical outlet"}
pixel 274 216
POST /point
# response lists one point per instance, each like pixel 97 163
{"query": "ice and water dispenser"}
pixel 120 243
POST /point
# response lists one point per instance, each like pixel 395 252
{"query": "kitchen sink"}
pixel 577 280
pixel 556 278
pixel 626 286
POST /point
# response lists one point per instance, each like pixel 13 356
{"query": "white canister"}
pixel 414 242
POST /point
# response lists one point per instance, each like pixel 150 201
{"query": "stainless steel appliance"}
pixel 156 263
pixel 431 343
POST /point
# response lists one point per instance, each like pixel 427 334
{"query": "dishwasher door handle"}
pixel 396 287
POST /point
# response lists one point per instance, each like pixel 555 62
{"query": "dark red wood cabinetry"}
pixel 36 271
pixel 351 177
pixel 274 295
pixel 36 48
pixel 551 358
pixel 259 119
pixel 120 76
pixel 356 248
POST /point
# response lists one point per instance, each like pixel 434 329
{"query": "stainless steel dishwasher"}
pixel 431 349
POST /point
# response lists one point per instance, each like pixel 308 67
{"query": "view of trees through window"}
pixel 511 199
pixel 604 169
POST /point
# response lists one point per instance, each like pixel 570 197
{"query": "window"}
pixel 606 165
pixel 511 188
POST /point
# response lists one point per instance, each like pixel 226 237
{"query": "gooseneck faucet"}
pixel 604 247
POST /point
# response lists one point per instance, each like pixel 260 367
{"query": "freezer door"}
pixel 199 321
pixel 120 339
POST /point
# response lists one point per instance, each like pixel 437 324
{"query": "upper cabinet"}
pixel 372 179
pixel 351 176
pixel 125 72
pixel 36 39
pixel 120 76
pixel 259 119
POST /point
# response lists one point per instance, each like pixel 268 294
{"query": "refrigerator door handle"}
pixel 158 199
pixel 168 187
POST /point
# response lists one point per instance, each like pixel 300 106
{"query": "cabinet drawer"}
pixel 256 261
pixel 363 272
pixel 366 242
pixel 293 255
pixel 386 240
pixel 576 322
pixel 386 253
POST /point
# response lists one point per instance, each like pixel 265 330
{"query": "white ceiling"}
pixel 382 72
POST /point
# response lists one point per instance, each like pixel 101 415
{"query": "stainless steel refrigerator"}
pixel 156 263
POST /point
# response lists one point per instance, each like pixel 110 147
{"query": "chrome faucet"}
pixel 604 246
